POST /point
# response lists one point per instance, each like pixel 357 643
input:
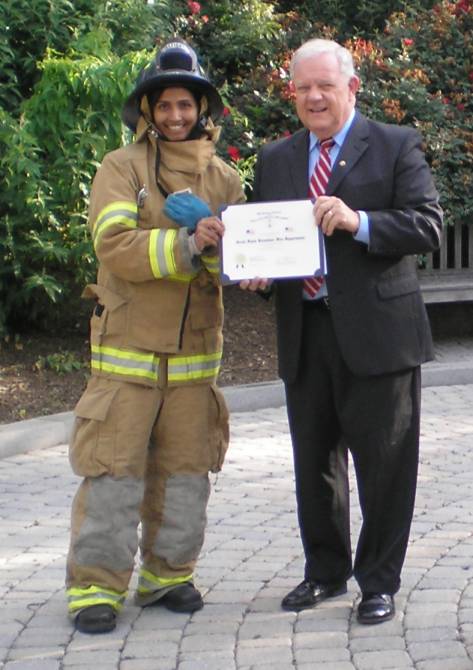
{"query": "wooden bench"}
pixel 447 275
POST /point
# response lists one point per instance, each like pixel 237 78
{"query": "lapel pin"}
pixel 342 163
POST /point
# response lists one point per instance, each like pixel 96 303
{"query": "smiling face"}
pixel 175 113
pixel 324 96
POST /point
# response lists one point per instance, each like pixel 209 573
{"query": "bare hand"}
pixel 255 284
pixel 332 213
pixel 208 232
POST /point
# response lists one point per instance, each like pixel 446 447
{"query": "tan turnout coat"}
pixel 154 301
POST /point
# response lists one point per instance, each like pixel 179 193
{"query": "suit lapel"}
pixel 298 163
pixel 354 146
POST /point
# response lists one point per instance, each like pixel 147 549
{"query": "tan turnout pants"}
pixel 145 454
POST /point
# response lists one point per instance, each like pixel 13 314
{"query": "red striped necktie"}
pixel 317 185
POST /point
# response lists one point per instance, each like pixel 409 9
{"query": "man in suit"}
pixel 350 355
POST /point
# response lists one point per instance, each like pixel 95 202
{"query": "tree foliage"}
pixel 66 67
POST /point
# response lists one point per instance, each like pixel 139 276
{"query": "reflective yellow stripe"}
pixel 191 368
pixel 147 582
pixel 180 276
pixel 123 362
pixel 79 598
pixel 161 252
pixel 212 263
pixel 119 212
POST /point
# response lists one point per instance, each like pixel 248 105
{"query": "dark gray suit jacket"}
pixel 377 309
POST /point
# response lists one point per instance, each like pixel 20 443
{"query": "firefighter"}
pixel 152 424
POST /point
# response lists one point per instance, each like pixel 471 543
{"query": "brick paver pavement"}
pixel 251 558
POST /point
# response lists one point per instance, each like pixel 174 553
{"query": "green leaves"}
pixel 422 75
pixel 61 362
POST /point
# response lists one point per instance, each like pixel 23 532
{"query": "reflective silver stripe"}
pixel 145 584
pixel 121 362
pixel 148 582
pixel 121 213
pixel 190 368
pixel 162 261
pixel 96 595
pixel 185 368
pixel 79 598
pixel 125 214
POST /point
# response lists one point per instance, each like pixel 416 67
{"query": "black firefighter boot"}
pixel 96 619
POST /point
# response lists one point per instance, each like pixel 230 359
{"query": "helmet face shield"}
pixel 175 64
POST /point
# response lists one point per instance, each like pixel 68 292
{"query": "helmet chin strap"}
pixel 196 133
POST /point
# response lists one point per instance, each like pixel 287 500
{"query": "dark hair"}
pixel 153 96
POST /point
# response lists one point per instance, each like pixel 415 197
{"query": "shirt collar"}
pixel 338 138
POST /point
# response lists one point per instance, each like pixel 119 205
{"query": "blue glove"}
pixel 186 209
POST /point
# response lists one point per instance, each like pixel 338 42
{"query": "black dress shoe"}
pixel 375 608
pixel 183 598
pixel 96 619
pixel 308 594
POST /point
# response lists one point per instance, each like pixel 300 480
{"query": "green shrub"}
pixel 420 73
pixel 363 18
pixel 61 363
pixel 29 28
pixel 48 160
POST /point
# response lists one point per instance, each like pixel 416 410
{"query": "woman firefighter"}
pixel 151 423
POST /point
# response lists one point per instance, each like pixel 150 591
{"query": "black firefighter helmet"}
pixel 175 64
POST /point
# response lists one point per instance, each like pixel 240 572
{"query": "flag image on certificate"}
pixel 271 240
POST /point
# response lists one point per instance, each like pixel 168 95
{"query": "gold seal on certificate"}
pixel 272 240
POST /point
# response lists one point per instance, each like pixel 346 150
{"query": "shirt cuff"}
pixel 363 232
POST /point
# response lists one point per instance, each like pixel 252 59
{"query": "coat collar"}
pixel 354 146
pixel 190 156
pixel 299 163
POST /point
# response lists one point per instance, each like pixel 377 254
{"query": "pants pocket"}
pixel 92 444
pixel 218 428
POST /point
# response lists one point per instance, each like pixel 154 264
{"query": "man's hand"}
pixel 208 232
pixel 255 284
pixel 332 213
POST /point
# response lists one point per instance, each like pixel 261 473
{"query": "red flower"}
pixel 470 75
pixel 408 42
pixel 226 111
pixel 446 101
pixel 205 18
pixel 233 152
pixel 462 7
pixel 461 107
pixel 194 7
pixel 286 133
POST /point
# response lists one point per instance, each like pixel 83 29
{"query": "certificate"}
pixel 271 240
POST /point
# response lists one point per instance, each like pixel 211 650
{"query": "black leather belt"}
pixel 319 303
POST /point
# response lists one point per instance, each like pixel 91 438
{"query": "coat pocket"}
pixel 219 428
pixel 110 313
pixel 397 286
pixel 156 313
pixel 92 444
pixel 206 309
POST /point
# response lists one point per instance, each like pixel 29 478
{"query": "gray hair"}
pixel 319 46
